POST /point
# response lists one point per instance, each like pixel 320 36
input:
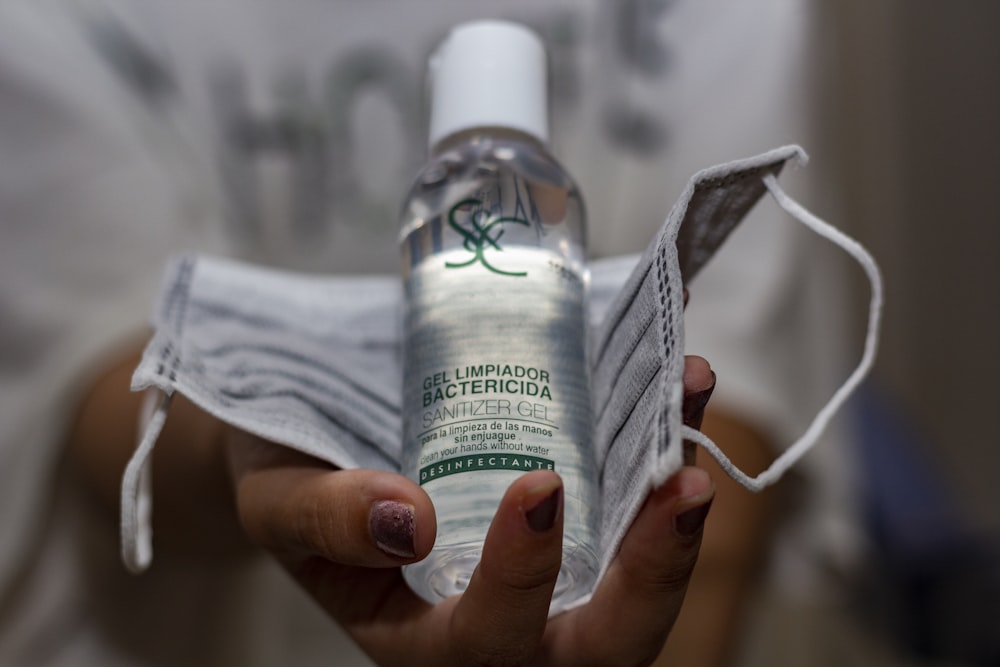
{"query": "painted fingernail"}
pixel 543 516
pixel 392 526
pixel 693 409
pixel 690 522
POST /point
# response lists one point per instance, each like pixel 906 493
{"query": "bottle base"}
pixel 447 572
pixel 443 573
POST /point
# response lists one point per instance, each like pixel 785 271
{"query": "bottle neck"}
pixel 491 133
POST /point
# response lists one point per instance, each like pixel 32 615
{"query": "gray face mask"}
pixel 313 362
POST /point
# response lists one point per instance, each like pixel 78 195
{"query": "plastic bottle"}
pixel 496 380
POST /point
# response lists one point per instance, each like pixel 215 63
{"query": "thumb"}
pixel 297 506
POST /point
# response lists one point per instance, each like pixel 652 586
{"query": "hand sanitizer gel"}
pixel 496 381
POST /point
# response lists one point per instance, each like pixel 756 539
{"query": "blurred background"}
pixel 911 108
pixel 288 137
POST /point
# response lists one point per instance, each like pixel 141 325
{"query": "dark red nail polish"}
pixel 543 515
pixel 392 527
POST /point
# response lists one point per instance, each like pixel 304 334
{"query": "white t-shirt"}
pixel 286 132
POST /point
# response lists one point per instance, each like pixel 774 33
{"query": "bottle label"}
pixel 495 371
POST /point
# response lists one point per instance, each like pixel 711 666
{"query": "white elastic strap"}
pixel 791 455
pixel 137 485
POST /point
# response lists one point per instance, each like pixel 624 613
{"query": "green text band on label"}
pixel 486 462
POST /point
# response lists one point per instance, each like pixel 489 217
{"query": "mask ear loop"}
pixel 790 456
pixel 137 485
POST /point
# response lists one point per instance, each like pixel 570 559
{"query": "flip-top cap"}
pixel 488 74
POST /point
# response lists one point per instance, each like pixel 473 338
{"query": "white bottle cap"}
pixel 488 74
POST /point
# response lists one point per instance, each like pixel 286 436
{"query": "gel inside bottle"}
pixel 496 381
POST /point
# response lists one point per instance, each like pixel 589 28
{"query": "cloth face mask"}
pixel 313 363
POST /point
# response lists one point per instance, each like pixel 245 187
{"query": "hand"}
pixel 343 535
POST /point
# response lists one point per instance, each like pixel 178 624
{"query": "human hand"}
pixel 343 535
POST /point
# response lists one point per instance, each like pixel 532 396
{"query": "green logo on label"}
pixel 479 237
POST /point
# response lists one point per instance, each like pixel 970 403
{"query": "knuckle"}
pixel 494 654
pixel 528 578
pixel 674 577
pixel 664 578
pixel 487 658
pixel 313 528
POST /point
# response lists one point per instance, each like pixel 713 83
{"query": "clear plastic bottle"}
pixel 496 381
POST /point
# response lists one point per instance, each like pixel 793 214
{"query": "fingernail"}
pixel 543 516
pixel 690 522
pixel 392 526
pixel 693 409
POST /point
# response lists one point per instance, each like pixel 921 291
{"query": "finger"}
pixel 511 589
pixel 299 507
pixel 638 600
pixel 699 383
